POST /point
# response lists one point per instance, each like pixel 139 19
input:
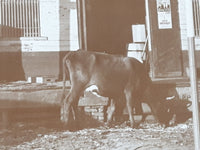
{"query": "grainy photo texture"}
pixel 99 74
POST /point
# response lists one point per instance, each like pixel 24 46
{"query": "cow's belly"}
pixel 107 91
pixel 110 83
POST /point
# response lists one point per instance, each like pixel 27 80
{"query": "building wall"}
pixel 42 56
pixel 59 33
pixel 11 60
pixel 183 26
pixel 35 62
pixel 68 25
pixel 184 44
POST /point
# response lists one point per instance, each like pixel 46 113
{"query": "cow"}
pixel 123 79
pixel 179 110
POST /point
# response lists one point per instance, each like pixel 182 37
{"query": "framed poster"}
pixel 164 14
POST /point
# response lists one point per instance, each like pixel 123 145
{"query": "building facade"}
pixel 33 36
pixel 36 34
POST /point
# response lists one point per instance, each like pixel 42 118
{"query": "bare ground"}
pixel 49 134
pixel 45 134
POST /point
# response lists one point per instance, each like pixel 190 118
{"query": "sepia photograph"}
pixel 99 74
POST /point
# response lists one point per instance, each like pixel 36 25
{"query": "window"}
pixel 196 12
pixel 20 18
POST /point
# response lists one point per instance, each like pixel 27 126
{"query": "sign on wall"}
pixel 164 14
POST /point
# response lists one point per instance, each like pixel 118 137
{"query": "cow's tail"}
pixel 65 73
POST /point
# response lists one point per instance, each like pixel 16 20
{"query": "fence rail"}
pixel 20 18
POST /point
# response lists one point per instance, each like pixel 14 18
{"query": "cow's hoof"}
pixel 136 126
pixel 109 124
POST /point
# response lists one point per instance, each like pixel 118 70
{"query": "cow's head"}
pixel 173 111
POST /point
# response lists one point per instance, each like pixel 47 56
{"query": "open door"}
pixel 106 25
pixel 165 38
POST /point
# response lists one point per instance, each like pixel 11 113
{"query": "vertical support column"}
pixel 38 18
pixel 79 18
pixel 32 19
pixel 196 16
pixel 2 12
pixel 24 18
pixel 0 18
pixel 193 77
pixel 29 18
pixel 8 13
pixel 148 23
pixel 21 18
pixel 84 28
pixel 17 16
pixel 35 18
pixel 5 18
pixel 12 17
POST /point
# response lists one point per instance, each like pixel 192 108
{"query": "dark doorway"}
pixel 106 25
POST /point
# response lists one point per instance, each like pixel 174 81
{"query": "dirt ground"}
pixel 50 134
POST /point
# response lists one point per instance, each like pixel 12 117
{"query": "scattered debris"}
pixel 150 135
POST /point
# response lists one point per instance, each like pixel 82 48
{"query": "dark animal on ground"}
pixel 123 79
pixel 178 110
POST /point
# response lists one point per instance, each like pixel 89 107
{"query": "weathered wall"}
pixel 11 61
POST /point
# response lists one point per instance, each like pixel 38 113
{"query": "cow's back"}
pixel 80 65
pixel 110 73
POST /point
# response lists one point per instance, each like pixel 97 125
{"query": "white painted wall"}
pixel 68 25
pixel 59 28
pixel 183 26
pixel 73 30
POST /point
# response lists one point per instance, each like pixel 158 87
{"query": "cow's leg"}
pixel 139 111
pixel 119 107
pixel 129 99
pixel 154 106
pixel 65 112
pixel 110 111
pixel 144 116
pixel 115 109
pixel 66 107
pixel 76 114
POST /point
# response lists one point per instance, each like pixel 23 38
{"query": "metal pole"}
pixel 193 78
pixel 80 20
pixel 84 25
pixel 148 23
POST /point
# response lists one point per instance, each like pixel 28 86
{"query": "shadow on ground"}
pixel 27 127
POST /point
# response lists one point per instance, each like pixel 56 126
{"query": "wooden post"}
pixel 193 77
